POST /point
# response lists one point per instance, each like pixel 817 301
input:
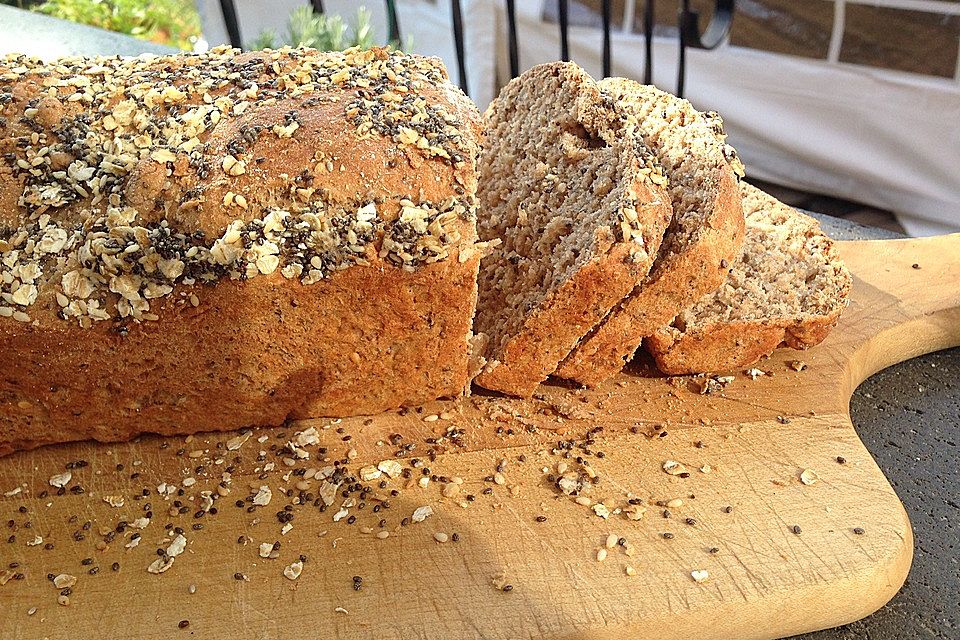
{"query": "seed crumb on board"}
pixel 293 570
pixel 673 467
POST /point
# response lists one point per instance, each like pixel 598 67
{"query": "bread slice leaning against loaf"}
pixel 787 287
pixel 705 234
pixel 200 242
pixel 575 198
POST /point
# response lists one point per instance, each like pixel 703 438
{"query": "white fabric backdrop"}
pixel 888 139
pixel 884 138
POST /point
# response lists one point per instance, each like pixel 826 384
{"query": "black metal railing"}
pixel 228 9
pixel 690 36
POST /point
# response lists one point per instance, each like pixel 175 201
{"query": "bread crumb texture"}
pixel 125 180
pixel 580 205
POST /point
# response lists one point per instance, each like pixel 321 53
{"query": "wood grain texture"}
pixel 764 581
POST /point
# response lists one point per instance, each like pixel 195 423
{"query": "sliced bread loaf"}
pixel 705 234
pixel 575 199
pixel 787 287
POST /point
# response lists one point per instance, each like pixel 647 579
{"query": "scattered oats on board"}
pixel 370 473
pixel 177 546
pixel 634 511
pixel 263 497
pixel 699 575
pixel 307 437
pixel 809 476
pixel 161 564
pixel 64 580
pixel 422 513
pixel 450 490
pixel 441 537
pixel 293 570
pixel 601 554
pixel 601 510
pixel 61 480
pixel 268 550
pixel 390 467
pixel 236 442
pixel 673 467
pixel 611 541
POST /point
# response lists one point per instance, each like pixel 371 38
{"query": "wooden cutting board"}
pixel 780 556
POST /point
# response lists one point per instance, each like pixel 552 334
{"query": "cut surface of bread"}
pixel 787 287
pixel 575 199
pixel 705 234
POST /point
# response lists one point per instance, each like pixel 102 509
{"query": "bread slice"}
pixel 787 287
pixel 575 198
pixel 705 234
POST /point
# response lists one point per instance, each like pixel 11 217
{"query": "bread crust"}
pixel 677 280
pixel 735 345
pixel 252 351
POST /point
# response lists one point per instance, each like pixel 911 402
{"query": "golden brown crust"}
pixel 732 346
pixel 374 332
pixel 252 353
pixel 726 345
pixel 675 283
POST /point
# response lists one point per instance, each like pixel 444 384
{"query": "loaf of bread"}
pixel 704 236
pixel 211 241
pixel 788 287
pixel 577 201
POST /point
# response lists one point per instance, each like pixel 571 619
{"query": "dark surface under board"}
pixel 908 416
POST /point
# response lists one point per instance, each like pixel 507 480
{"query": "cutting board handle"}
pixel 918 307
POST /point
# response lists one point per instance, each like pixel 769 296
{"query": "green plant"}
pixel 306 28
pixel 173 22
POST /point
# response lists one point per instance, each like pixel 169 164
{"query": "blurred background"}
pixel 845 107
